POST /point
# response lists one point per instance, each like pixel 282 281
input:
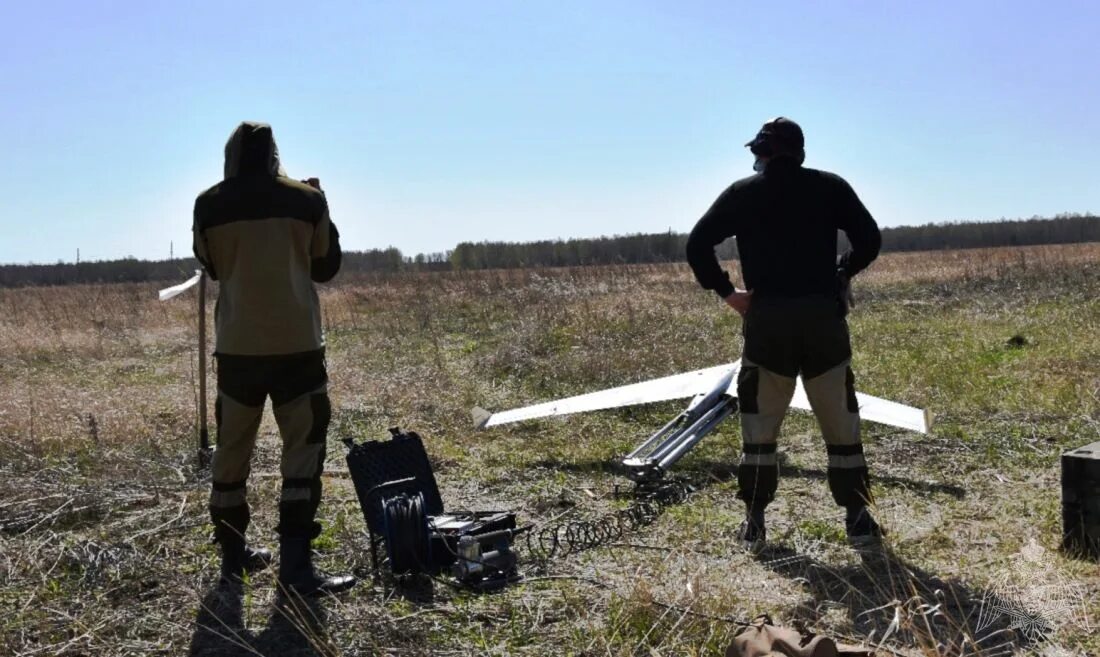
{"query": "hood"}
pixel 251 151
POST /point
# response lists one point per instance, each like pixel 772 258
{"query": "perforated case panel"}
pixel 378 461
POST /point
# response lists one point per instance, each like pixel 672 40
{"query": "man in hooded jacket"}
pixel 267 239
pixel 786 219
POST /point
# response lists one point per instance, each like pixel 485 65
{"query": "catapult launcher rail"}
pixel 713 393
pixel 650 460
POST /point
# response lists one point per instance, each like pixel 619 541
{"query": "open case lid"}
pixel 377 462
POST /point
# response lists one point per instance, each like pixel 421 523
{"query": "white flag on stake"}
pixel 169 292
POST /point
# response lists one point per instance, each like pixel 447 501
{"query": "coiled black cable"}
pixel 562 539
pixel 405 526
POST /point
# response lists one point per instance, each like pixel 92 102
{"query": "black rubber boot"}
pixel 297 575
pixel 238 558
pixel 752 533
pixel 862 529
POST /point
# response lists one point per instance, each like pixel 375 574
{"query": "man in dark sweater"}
pixel 785 219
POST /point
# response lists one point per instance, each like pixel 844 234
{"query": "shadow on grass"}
pixel 416 589
pixel 935 615
pixel 295 627
pixel 702 472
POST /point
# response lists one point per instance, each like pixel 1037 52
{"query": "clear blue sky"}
pixel 433 123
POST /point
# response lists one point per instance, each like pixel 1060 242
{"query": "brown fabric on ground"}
pixel 762 639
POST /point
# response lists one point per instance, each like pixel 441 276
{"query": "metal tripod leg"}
pixel 650 460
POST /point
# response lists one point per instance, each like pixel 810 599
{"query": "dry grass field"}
pixel 104 546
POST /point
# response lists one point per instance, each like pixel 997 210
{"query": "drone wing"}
pixel 894 414
pixel 876 409
pixel 169 292
pixel 691 384
pixel 677 386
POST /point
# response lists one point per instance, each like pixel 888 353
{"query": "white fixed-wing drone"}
pixel 714 399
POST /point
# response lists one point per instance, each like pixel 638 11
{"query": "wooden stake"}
pixel 204 433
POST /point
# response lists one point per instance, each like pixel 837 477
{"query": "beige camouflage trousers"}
pixel 297 386
pixel 785 338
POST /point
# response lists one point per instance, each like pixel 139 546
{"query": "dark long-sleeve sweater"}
pixel 786 221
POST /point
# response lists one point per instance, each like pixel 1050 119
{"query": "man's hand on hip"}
pixel 739 300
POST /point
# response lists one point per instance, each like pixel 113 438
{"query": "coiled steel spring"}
pixel 546 542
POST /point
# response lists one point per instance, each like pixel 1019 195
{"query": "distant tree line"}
pixel 132 270
pixel 126 270
pixel 619 249
pixel 1062 229
pixel 669 247
pixel 639 248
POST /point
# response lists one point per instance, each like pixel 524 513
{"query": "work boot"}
pixel 752 533
pixel 297 575
pixel 862 529
pixel 239 558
